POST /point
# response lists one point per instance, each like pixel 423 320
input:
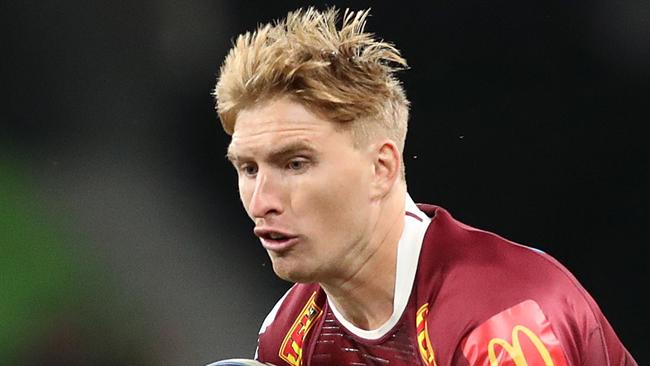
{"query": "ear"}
pixel 387 167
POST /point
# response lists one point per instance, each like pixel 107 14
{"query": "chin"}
pixel 292 273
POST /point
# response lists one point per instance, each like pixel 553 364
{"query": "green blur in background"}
pixel 55 306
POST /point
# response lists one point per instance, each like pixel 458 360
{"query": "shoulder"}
pixel 451 246
pixel 476 263
pixel 502 292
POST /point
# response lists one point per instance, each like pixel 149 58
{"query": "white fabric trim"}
pixel 408 253
pixel 271 316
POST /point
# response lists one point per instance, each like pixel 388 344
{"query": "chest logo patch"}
pixel 291 348
pixel 518 336
pixel 424 343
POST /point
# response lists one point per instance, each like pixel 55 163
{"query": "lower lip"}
pixel 279 245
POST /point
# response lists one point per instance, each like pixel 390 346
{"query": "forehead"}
pixel 278 122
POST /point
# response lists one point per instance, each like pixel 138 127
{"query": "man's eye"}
pixel 249 170
pixel 297 164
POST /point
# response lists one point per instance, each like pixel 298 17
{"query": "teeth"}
pixel 275 236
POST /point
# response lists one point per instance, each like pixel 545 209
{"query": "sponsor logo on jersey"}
pixel 291 349
pixel 518 336
pixel 515 351
pixel 424 343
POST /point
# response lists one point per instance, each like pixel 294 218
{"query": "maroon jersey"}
pixel 463 296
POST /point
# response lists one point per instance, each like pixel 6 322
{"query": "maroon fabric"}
pixel 474 291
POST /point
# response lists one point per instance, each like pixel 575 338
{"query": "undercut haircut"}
pixel 341 72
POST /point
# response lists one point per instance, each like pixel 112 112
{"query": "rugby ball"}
pixel 239 362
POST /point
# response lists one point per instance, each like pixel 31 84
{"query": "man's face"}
pixel 306 187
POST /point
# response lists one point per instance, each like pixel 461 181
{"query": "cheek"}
pixel 337 200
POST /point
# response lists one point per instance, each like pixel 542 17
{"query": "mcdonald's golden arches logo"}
pixel 515 350
pixel 518 336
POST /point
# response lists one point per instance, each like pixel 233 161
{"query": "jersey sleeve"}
pixel 524 334
pixel 604 348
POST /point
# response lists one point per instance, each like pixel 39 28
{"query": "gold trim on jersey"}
pixel 424 343
pixel 291 348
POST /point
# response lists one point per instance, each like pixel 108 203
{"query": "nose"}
pixel 266 199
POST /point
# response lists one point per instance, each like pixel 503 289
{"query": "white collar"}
pixel 408 253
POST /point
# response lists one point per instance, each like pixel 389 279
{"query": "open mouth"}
pixel 275 237
pixel 275 240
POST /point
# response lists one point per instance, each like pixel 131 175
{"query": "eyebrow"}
pixel 279 153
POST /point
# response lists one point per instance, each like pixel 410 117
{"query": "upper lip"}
pixel 265 233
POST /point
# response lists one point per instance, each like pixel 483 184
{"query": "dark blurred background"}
pixel 122 241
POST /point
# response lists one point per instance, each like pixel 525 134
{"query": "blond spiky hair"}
pixel 344 73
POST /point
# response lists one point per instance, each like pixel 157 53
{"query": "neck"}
pixel 365 293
